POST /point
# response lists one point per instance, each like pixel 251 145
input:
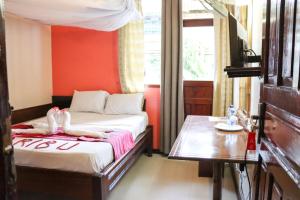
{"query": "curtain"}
pixel 245 82
pixel 223 86
pixel 172 114
pixel 131 55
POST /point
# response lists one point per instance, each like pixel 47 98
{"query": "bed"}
pixel 83 173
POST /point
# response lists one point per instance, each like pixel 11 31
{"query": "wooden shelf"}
pixel 233 72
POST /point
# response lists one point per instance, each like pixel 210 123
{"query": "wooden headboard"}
pixel 26 114
pixel 30 113
pixel 62 101
pixel 41 111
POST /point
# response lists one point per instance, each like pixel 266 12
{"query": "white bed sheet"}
pixel 85 157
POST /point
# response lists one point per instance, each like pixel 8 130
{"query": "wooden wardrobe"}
pixel 278 172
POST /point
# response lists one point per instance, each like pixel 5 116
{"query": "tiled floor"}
pixel 158 178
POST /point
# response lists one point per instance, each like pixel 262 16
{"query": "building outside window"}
pixel 152 40
pixel 198 41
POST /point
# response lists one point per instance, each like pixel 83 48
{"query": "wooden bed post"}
pixel 150 142
pixel 100 188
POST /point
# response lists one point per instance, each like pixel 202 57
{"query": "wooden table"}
pixel 198 140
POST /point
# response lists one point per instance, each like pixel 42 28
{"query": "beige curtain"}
pixel 223 86
pixel 244 83
pixel 172 114
pixel 131 55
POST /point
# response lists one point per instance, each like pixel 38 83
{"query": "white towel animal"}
pixel 52 121
pixel 58 119
pixel 66 123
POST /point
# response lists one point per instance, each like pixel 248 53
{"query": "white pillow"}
pixel 89 101
pixel 124 104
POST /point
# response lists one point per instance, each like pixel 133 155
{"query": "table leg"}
pixel 205 168
pixel 217 180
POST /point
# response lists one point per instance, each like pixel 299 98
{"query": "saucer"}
pixel 226 127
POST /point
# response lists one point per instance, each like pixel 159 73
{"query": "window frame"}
pixel 198 22
pixel 189 23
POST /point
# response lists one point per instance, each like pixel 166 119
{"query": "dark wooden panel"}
pixel 296 57
pixel 37 180
pixel 194 109
pixel 7 167
pixel 200 91
pixel 198 97
pixel 152 85
pixel 30 113
pixel 288 43
pixel 284 134
pixel 279 169
pixel 263 177
pixel 62 101
pixel 274 37
pixel 205 168
pixel 284 98
pixel 282 178
pixel 198 83
pixel 265 38
pixel 198 22
pixel 276 192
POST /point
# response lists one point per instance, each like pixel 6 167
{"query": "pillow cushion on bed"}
pixel 124 104
pixel 89 101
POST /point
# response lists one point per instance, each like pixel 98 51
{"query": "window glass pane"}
pixel 152 40
pixel 198 53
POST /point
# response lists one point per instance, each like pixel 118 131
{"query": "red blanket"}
pixel 121 141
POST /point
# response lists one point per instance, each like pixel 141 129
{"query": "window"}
pixel 152 40
pixel 198 53
pixel 198 42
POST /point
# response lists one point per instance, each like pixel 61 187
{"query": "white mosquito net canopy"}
pixel 103 15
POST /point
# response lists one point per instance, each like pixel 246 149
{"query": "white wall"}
pixel 29 62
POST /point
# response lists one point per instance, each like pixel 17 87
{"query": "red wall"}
pixel 152 95
pixel 84 60
pixel 88 60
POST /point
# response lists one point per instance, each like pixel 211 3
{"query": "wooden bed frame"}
pixel 73 185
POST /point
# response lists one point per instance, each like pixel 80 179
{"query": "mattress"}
pixel 77 156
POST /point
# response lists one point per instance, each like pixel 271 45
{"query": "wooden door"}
pixel 198 100
pixel 7 169
pixel 198 97
pixel 279 161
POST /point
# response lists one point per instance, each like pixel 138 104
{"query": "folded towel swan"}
pixel 52 119
pixel 59 121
